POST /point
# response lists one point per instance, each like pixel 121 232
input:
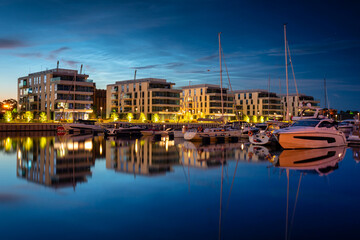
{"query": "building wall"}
pixel 257 103
pixel 148 96
pixel 56 93
pixel 204 101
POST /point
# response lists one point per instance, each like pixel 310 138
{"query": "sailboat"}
pixel 215 133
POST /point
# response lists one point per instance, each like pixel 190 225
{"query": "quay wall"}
pixel 39 127
pixel 28 127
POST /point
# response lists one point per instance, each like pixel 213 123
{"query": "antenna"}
pixel 135 75
pixel 81 68
pixel 57 67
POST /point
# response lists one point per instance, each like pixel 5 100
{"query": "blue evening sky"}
pixel 177 40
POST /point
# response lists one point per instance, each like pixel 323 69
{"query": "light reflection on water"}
pixel 217 191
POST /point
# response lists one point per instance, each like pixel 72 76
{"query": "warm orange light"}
pixel 6 106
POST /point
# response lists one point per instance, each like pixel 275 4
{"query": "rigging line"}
pixel 232 183
pixel 227 72
pixel 287 205
pixel 296 199
pixel 292 69
pixel 221 190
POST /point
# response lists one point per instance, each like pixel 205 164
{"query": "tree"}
pixel 29 116
pixel 142 117
pixel 129 117
pixel 43 117
pixel 114 116
pixel 155 118
pixel 8 116
pixel 9 104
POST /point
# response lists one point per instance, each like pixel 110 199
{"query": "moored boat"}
pixel 311 133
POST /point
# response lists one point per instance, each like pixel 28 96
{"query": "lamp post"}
pixel 101 112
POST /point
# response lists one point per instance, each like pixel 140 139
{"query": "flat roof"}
pixel 151 80
pixel 203 86
pixel 251 90
pixel 62 71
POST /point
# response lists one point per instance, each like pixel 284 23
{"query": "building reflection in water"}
pixel 56 161
pixel 141 156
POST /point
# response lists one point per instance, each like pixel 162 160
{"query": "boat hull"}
pixel 299 140
pixel 199 136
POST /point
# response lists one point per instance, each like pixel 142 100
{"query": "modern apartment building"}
pixel 296 101
pixel 60 93
pixel 148 95
pixel 257 102
pixel 204 101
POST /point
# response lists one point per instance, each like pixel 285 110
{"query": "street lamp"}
pixel 101 112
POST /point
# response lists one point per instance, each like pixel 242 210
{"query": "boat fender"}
pixel 250 133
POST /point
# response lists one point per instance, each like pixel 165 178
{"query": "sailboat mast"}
pixel 287 78
pixel 326 104
pixel 221 93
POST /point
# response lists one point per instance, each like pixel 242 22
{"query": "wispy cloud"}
pixel 70 63
pixel 11 43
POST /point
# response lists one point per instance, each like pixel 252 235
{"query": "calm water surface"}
pixel 92 188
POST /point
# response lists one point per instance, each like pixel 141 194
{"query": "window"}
pixel 238 96
pixel 201 91
pixel 127 88
pixel 140 87
pixel 194 91
pixel 247 102
pixel 241 102
pixel 250 95
pixel 189 92
pixel 122 88
pixel 45 79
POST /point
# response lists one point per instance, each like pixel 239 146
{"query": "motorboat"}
pixel 265 136
pixel 321 161
pixel 354 137
pixel 82 126
pixel 347 126
pixel 212 134
pixel 123 131
pixel 311 133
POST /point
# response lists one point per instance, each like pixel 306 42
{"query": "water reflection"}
pixel 321 161
pixel 68 161
pixel 56 161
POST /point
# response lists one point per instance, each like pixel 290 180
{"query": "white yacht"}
pixel 347 126
pixel 311 133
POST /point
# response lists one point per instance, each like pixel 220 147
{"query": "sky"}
pixel 178 40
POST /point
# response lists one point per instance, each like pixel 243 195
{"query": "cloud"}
pixel 71 63
pixel 166 65
pixel 53 54
pixel 145 67
pixel 29 55
pixel 59 50
pixel 11 43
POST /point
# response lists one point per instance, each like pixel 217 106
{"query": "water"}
pixel 91 188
